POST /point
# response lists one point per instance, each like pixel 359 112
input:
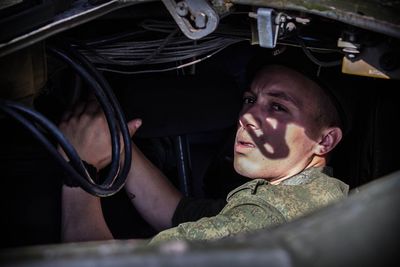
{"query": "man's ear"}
pixel 330 138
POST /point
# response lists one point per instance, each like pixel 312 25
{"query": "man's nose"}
pixel 249 119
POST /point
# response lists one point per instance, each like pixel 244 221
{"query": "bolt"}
pixel 290 26
pixel 351 56
pixel 182 9
pixel 200 20
pixel 253 15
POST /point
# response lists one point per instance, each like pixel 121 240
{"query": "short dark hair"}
pixel 328 80
pixel 332 109
pixel 327 112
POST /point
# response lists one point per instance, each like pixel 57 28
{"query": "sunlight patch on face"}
pixel 296 136
pixel 270 149
pixel 259 134
pixel 273 122
pixel 251 121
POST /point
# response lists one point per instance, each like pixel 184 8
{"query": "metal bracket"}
pixel 195 18
pixel 271 24
pixel 268 27
pixel 351 49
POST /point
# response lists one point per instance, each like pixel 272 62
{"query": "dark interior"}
pixel 198 105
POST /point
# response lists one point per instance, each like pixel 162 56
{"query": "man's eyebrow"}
pixel 284 96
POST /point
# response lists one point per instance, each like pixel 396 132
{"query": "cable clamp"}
pixel 195 18
pixel 271 24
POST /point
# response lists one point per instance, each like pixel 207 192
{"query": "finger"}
pixel 133 125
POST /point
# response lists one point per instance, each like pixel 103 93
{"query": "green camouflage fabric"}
pixel 258 204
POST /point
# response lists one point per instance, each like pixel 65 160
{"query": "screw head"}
pixel 182 9
pixel 200 20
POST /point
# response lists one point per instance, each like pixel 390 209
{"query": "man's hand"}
pixel 87 130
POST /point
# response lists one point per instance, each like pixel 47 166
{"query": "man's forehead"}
pixel 279 92
pixel 285 84
pixel 277 72
pixel 279 78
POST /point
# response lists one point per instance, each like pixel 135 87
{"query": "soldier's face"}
pixel 277 131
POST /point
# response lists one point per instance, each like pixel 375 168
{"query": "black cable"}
pixel 316 60
pixel 113 38
pixel 75 170
pixel 104 103
pixel 146 60
pixel 47 125
pixel 8 106
pixel 30 119
pixel 119 115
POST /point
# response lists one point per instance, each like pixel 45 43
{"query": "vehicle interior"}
pixel 187 88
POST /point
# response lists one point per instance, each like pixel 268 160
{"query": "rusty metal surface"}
pixel 359 231
pixel 376 15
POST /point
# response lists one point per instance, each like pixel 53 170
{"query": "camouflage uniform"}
pixel 258 204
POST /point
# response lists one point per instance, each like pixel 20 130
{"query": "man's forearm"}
pixel 151 192
pixel 82 217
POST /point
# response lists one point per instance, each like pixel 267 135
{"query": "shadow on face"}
pixel 278 125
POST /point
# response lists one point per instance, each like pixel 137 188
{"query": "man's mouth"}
pixel 242 146
pixel 245 144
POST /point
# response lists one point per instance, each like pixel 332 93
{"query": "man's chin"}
pixel 246 168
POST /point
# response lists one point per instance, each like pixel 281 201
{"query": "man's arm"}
pixel 239 216
pixel 82 217
pixel 150 191
pixel 86 129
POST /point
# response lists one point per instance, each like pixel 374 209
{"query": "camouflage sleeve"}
pixel 245 215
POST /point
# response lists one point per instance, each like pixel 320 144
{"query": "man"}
pixel 286 130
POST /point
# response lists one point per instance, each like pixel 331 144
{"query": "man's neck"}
pixel 305 175
pixel 316 162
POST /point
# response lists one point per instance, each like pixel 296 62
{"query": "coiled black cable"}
pixel 119 116
pixel 76 169
pixel 116 176
pixel 101 97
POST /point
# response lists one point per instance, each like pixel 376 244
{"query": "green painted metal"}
pixel 381 16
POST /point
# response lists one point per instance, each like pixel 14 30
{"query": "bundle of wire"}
pixel 122 54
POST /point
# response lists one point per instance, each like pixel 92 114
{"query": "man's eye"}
pixel 278 107
pixel 249 100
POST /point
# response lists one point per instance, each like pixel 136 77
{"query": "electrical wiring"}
pixel 115 178
pixel 158 26
pixel 166 69
pixel 129 56
pixel 316 60
pixel 119 115
pixel 134 53
pixel 113 38
pixel 15 109
pixel 100 95
pixel 41 128
pixel 123 54
pixel 322 50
